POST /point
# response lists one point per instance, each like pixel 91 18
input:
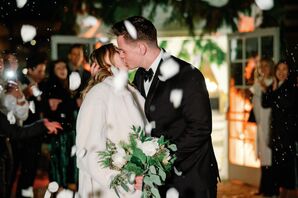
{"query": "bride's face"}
pixel 118 61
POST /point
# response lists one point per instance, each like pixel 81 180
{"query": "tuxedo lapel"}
pixel 139 82
pixel 152 89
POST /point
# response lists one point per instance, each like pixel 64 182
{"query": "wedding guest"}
pixel 263 79
pixel 30 150
pixel 281 97
pixel 60 106
pixel 107 112
pixel 12 131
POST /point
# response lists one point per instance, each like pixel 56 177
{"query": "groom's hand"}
pixel 139 182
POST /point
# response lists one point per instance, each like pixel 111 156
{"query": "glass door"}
pixel 244 52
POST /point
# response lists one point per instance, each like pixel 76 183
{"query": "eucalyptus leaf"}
pixel 155 179
pixel 162 174
pixel 155 192
pixel 152 169
pixel 173 147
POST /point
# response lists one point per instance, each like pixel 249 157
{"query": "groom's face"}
pixel 129 52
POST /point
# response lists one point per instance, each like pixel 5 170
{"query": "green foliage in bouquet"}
pixel 144 156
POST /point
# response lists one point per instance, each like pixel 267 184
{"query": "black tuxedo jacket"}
pixel 189 126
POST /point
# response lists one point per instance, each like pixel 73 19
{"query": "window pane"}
pixel 236 74
pixel 267 46
pixel 236 49
pixel 251 47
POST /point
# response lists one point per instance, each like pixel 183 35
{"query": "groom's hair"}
pixel 145 29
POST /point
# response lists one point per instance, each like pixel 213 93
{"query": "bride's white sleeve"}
pixel 91 138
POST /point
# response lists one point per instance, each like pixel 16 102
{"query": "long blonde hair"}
pixel 98 56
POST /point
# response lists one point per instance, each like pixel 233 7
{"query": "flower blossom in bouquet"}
pixel 119 158
pixel 149 148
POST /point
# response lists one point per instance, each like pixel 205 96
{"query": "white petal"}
pixel 172 193
pixel 168 69
pixel 120 79
pixel 11 118
pixel 131 29
pixel 32 106
pixel 65 193
pixel 265 4
pixel 81 153
pixel 176 97
pixel 149 127
pixel 28 32
pixel 21 3
pixel 178 173
pixel 73 150
pixel 36 91
pixel 74 81
pixel 1 89
pixel 217 3
pixel 27 192
pixel 48 194
pixel 89 21
pixel 53 187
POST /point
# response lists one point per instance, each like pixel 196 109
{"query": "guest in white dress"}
pixel 108 111
pixel 263 79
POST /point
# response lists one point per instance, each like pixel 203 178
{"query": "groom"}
pixel 187 124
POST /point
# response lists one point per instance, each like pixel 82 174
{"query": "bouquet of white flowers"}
pixel 142 156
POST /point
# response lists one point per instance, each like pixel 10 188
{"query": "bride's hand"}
pixel 139 182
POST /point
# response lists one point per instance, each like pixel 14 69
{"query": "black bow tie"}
pixel 148 74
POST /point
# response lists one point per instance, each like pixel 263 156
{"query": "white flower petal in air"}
pixel 265 4
pixel 32 106
pixel 89 21
pixel 168 69
pixel 1 89
pixel 149 127
pixel 131 29
pixel 217 3
pixel 178 173
pixel 81 153
pixel 28 32
pixel 73 150
pixel 74 81
pixel 21 3
pixel 53 187
pixel 65 193
pixel 36 91
pixel 11 118
pixel 27 192
pixel 120 79
pixel 172 193
pixel 176 97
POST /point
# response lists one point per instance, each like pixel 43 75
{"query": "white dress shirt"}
pixel 153 66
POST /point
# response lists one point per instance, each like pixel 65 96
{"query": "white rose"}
pixel 149 148
pixel 119 158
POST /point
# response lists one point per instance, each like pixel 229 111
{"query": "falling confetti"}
pixel 11 118
pixel 120 78
pixel 265 4
pixel 73 150
pixel 89 21
pixel 131 29
pixel 65 193
pixel 74 81
pixel 35 90
pixel 172 193
pixel 32 106
pixel 178 173
pixel 27 192
pixel 28 32
pixel 149 127
pixel 81 153
pixel 21 3
pixel 1 89
pixel 168 69
pixel 176 97
pixel 217 3
pixel 52 188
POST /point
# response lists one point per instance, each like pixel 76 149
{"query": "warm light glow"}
pixel 246 23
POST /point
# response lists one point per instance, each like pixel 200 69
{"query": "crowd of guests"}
pixel 38 92
pixel 275 94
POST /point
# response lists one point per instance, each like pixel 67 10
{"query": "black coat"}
pixel 284 131
pixel 189 126
pixel 8 131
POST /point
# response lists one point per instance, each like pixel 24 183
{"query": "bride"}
pixel 106 113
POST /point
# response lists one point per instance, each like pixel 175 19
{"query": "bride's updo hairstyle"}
pixel 101 56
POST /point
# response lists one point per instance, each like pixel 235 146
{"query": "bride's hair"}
pixel 98 56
